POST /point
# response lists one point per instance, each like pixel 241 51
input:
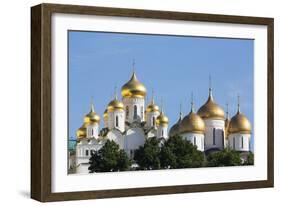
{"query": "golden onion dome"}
pixel 105 114
pixel 152 107
pixel 211 109
pixel 133 88
pixel 82 132
pixel 175 129
pixel 114 105
pixel 192 123
pixel 162 119
pixel 92 116
pixel 239 124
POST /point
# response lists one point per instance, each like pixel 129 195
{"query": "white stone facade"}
pixel 134 109
pixel 214 134
pixel 239 142
pixel 196 139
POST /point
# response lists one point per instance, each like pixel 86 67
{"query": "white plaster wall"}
pixel 134 138
pixel 163 128
pixel 237 144
pixel 105 121
pixel 152 133
pixel 149 118
pixel 199 139
pixel 82 169
pixel 112 118
pixel 210 124
pixel 117 137
pixel 93 130
pixel 130 102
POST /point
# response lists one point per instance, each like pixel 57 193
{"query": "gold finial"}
pixel 152 97
pixel 115 93
pixel 192 102
pixel 133 65
pixel 180 110
pixel 92 105
pixel 238 103
pixel 210 88
pixel 162 110
pixel 227 111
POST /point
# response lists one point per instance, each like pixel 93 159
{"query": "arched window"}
pixel 127 112
pixel 214 136
pixel 233 142
pixel 87 152
pixel 141 112
pixel 135 112
pixel 153 121
pixel 242 142
pixel 92 131
pixel 194 140
pixel 162 133
pixel 116 121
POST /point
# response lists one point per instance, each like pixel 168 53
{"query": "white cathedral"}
pixel 129 123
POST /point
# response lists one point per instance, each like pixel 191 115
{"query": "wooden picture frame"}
pixel 41 98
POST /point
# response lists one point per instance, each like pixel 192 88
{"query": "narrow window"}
pixel 233 142
pixel 194 140
pixel 135 111
pixel 87 152
pixel 116 121
pixel 242 142
pixel 92 131
pixel 162 132
pixel 153 121
pixel 127 112
pixel 141 112
pixel 214 136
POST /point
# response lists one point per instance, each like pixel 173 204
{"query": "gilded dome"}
pixel 175 129
pixel 133 88
pixel 115 105
pixel 192 123
pixel 152 107
pixel 92 116
pixel 239 124
pixel 211 109
pixel 81 132
pixel 162 119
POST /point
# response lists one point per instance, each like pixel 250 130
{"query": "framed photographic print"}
pixel 130 102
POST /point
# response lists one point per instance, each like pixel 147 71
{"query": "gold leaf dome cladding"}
pixel 192 123
pixel 175 129
pixel 162 119
pixel 211 110
pixel 133 88
pixel 81 132
pixel 91 117
pixel 152 107
pixel 239 124
pixel 115 105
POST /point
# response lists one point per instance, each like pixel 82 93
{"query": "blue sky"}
pixel 172 66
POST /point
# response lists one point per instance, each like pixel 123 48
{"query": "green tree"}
pixel 225 157
pixel 109 158
pixel 178 152
pixel 147 156
pixel 250 159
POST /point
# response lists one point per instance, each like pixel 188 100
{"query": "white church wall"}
pixel 112 121
pixel 130 104
pixel 117 137
pixel 93 130
pixel 149 119
pixel 218 141
pixel 162 131
pixel 195 139
pixel 239 142
pixel 134 138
